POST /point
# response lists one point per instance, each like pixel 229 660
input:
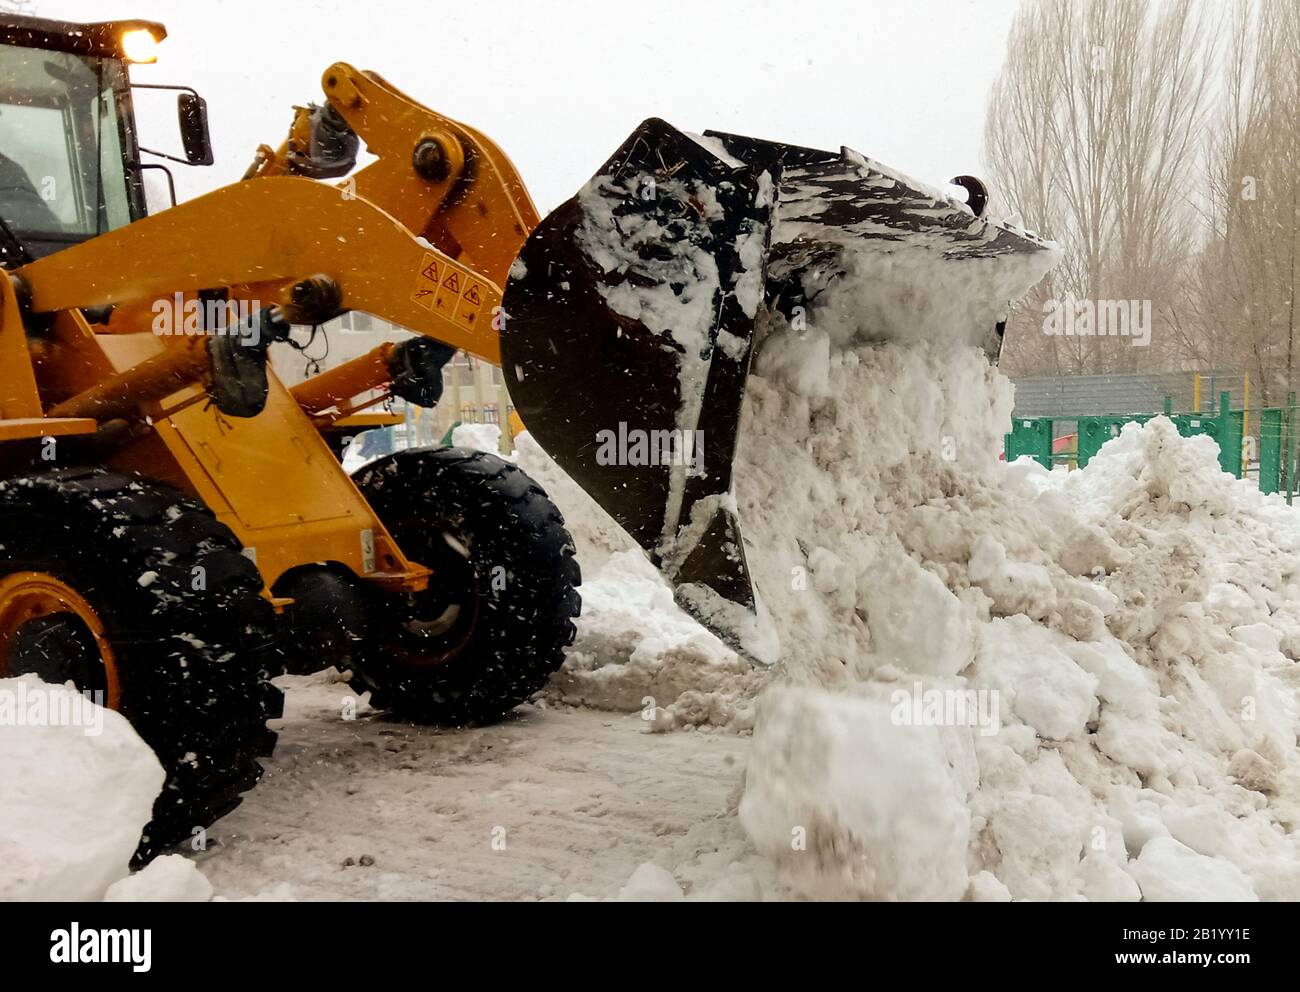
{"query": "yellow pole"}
pixel 1196 391
pixel 479 370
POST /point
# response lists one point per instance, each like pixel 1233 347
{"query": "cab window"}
pixel 62 171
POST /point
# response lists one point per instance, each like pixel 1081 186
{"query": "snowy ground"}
pixel 552 802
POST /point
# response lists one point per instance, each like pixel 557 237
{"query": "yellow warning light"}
pixel 139 45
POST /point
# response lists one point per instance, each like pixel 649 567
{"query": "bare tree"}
pixel 1093 136
pixel 1243 303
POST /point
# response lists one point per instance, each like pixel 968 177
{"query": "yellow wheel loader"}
pixel 175 524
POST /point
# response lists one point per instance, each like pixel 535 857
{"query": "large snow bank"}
pixel 995 682
pixel 1134 628
pixel 74 802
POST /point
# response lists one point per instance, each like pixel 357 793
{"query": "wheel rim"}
pixel 432 627
pixel 38 608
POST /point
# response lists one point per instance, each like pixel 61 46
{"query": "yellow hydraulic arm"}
pixel 264 236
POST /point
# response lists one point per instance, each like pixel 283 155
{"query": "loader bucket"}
pixel 631 316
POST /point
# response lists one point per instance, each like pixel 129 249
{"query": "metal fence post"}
pixel 1270 450
pixel 1289 462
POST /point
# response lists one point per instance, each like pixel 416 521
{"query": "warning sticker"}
pixel 450 291
pixel 427 282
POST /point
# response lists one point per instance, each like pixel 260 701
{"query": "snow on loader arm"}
pixel 633 312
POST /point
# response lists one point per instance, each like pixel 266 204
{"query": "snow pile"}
pixel 75 800
pixel 478 437
pixel 823 479
pixel 635 648
pixel 996 682
pixel 999 682
pixel 77 795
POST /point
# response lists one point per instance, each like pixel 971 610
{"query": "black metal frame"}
pixel 131 151
pixel 173 158
pixel 101 38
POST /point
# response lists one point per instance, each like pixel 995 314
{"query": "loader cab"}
pixel 70 165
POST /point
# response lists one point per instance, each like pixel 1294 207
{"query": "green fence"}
pixel 1271 444
pixel 1030 436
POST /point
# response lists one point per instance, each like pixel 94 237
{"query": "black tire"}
pixel 505 574
pixel 193 663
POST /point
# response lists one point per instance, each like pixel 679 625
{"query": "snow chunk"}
pixel 1031 666
pixel 1014 587
pixel 916 623
pixel 852 805
pixel 477 437
pixel 650 883
pixel 170 878
pixel 1169 871
pixel 74 804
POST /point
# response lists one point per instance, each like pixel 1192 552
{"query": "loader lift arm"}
pixel 317 250
pixel 267 238
pixel 269 235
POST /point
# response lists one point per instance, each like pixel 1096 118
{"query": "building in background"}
pixel 474 391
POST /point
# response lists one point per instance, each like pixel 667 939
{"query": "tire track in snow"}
pixel 547 803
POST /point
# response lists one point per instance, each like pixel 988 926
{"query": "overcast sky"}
pixel 559 85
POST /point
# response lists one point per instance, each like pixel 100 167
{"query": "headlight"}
pixel 139 45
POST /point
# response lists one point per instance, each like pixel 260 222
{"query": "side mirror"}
pixel 192 110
